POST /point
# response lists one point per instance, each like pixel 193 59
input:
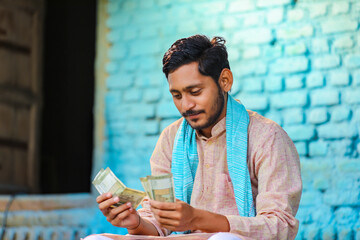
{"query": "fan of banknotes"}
pixel 159 188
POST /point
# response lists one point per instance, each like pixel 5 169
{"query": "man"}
pixel 234 170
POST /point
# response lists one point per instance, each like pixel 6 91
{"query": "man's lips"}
pixel 192 116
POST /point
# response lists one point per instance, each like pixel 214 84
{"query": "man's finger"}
pixel 115 211
pixel 165 213
pixel 120 217
pixel 107 203
pixel 103 197
pixel 163 205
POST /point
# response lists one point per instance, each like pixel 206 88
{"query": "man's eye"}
pixel 196 92
pixel 177 96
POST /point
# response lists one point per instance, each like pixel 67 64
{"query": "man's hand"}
pixel 178 216
pixel 123 216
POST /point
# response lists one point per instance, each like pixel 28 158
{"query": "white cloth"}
pixel 224 236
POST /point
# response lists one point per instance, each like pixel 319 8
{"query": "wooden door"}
pixel 21 24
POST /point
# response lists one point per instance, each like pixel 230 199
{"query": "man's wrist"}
pixel 197 219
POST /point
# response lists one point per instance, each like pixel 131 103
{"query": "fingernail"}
pixel 116 199
pixel 108 195
pixel 129 204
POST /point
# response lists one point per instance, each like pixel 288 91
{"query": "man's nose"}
pixel 187 104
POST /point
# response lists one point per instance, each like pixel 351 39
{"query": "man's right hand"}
pixel 123 216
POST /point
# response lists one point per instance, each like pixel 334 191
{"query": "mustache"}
pixel 192 112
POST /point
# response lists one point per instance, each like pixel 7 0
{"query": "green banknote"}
pixel 106 181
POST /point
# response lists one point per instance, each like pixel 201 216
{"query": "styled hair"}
pixel 211 55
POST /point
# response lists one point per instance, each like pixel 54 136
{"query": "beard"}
pixel 216 110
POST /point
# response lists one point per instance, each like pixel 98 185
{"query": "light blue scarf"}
pixel 185 158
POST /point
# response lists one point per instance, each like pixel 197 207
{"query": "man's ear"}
pixel 226 80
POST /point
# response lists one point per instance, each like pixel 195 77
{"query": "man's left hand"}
pixel 178 216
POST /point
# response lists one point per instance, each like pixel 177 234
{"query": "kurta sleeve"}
pixel 276 166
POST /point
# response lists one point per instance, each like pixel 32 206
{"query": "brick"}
pixel 337 25
pixel 324 97
pixel 289 99
pixel 295 32
pixel 294 82
pixel 129 33
pixel 167 110
pixel 343 43
pixel 272 3
pixel 142 110
pixel 326 62
pixel 233 55
pixel 117 51
pixel 304 216
pixel 272 52
pixel 151 127
pixel 253 19
pixel 250 68
pixel 347 197
pixel 328 233
pixel 315 79
pixel 311 198
pixel 321 182
pixel 345 233
pixel 300 132
pixel 319 45
pixel 356 77
pixel 166 122
pixel 230 22
pixel 148 47
pixel 318 149
pixel 340 114
pixel 318 115
pixel 255 102
pixel 352 61
pixel 351 96
pixel 341 148
pixel 112 67
pixel 301 148
pixel 132 95
pixel 148 63
pixel 274 84
pixel 322 215
pixel 150 79
pixel 243 6
pixel 318 10
pixel 295 49
pixel 152 95
pixel 274 116
pixel 293 116
pixel 117 20
pixel 209 8
pixel 252 85
pixel 253 36
pixel 346 215
pixel 119 81
pixel 337 130
pixel 113 98
pixel 275 15
pixel 348 166
pixel 290 65
pixel 339 78
pixel 312 232
pixel 187 27
pixel 251 52
pixel 295 15
pixel 339 8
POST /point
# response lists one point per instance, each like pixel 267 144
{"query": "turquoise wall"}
pixel 296 62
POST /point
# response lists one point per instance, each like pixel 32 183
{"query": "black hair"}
pixel 211 55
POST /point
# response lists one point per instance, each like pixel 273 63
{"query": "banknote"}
pixel 160 187
pixel 106 181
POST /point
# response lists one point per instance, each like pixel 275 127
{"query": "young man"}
pixel 234 170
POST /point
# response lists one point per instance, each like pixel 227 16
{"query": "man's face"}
pixel 197 97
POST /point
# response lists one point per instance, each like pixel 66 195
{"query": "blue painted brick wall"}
pixel 297 63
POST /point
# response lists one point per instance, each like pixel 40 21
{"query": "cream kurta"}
pixel 274 169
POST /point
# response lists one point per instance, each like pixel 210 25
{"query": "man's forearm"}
pixel 144 228
pixel 210 222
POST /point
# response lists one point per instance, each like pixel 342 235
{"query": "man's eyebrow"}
pixel 186 88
